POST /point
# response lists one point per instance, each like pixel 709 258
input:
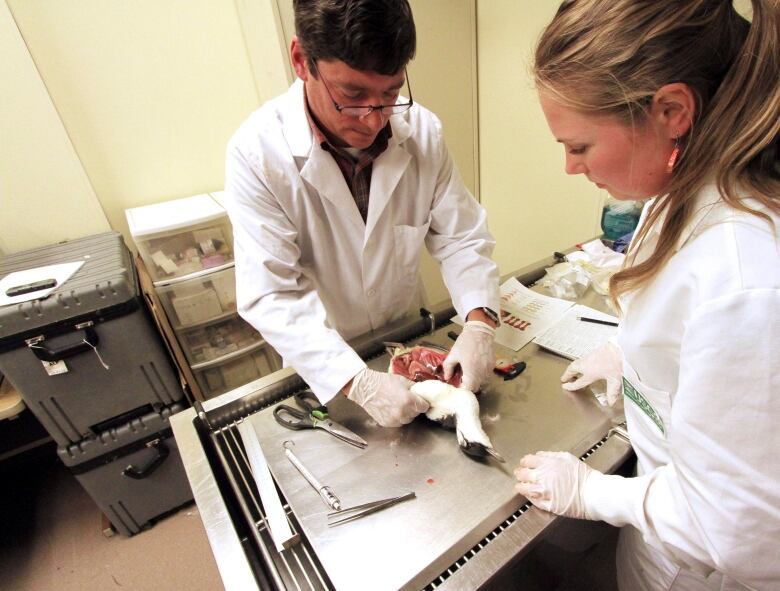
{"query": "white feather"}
pixel 449 401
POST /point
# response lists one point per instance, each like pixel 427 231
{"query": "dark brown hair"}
pixel 368 35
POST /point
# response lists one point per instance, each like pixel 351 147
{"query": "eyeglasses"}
pixel 360 111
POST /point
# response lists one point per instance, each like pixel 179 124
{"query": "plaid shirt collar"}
pixel 367 156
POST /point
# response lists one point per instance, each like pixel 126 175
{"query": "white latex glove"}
pixel 473 351
pixel 554 481
pixel 605 363
pixel 562 484
pixel 386 397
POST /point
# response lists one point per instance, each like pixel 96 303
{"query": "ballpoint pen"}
pixel 597 321
pixel 324 491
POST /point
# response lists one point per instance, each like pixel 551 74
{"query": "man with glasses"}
pixel 333 188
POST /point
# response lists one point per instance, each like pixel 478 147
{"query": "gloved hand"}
pixel 473 351
pixel 554 481
pixel 562 484
pixel 605 363
pixel 386 397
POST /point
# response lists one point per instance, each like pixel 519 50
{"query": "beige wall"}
pixel 45 195
pixel 444 79
pixel 149 91
pixel 534 207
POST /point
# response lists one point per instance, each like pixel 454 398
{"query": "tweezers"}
pixel 352 513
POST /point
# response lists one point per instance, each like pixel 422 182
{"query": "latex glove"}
pixel 554 481
pixel 386 397
pixel 605 363
pixel 562 484
pixel 473 351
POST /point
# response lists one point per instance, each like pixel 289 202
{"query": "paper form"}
pixel 525 314
pixel 60 273
pixel 573 338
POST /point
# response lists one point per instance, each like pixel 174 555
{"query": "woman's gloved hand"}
pixel 605 363
pixel 554 481
pixel 386 397
pixel 473 351
pixel 562 484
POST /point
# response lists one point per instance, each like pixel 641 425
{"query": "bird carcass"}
pixel 450 406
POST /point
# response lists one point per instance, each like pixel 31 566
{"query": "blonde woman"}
pixel 679 101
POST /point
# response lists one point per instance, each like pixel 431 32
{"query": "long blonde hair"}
pixel 609 57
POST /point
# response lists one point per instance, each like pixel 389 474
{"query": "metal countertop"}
pixel 466 522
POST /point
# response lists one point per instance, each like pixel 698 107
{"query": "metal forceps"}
pixel 312 415
pixel 352 513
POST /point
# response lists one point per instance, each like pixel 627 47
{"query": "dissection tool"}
pixel 352 513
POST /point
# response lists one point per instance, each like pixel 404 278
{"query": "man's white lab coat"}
pixel 310 272
pixel 702 400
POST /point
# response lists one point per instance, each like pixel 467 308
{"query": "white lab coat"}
pixel 702 349
pixel 310 272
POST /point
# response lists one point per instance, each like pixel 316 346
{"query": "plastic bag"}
pixel 566 280
pixel 593 265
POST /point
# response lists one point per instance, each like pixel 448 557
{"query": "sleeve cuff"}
pixel 465 303
pixel 617 500
pixel 327 384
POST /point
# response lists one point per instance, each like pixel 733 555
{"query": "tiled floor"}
pixel 52 538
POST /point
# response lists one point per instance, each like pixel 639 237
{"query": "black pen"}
pixel 597 321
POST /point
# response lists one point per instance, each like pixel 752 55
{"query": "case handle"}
pixel 140 473
pixel 88 343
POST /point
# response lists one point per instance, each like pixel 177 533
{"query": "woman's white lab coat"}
pixel 702 400
pixel 310 272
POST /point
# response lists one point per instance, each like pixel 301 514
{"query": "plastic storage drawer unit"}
pixel 232 371
pixel 182 237
pixel 217 339
pixel 133 472
pixel 199 300
pixel 88 355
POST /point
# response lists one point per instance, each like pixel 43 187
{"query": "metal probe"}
pixel 324 491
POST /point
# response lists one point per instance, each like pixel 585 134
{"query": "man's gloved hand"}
pixel 386 397
pixel 605 363
pixel 473 351
pixel 554 481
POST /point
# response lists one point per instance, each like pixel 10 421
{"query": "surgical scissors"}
pixel 314 416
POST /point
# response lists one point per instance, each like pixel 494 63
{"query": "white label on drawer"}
pixel 54 368
pixel 225 286
pixel 164 262
pixel 197 307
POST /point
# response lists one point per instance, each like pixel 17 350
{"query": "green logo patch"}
pixel 637 398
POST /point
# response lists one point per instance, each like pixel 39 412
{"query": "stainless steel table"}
pixel 465 525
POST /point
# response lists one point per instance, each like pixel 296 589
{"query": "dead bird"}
pixel 450 406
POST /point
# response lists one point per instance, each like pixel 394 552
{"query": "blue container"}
pixel 619 218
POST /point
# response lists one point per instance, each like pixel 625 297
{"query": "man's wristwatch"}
pixel 490 314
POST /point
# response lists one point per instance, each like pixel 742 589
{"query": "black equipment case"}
pixel 133 472
pixel 88 356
